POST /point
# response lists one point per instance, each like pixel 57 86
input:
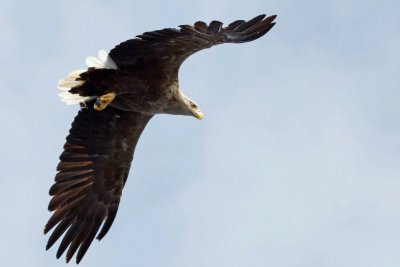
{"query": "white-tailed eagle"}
pixel 119 93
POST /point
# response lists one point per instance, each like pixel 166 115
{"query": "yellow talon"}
pixel 103 101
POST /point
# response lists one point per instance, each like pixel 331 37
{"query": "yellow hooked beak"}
pixel 198 114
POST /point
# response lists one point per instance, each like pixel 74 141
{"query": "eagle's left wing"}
pixel 168 48
pixel 92 173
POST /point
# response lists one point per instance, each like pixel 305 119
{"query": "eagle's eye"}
pixel 193 105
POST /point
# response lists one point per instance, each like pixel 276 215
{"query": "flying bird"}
pixel 119 93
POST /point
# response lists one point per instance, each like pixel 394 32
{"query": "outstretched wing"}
pixel 168 48
pixel 91 175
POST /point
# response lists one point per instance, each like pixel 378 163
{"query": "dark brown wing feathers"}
pixel 170 47
pixel 92 172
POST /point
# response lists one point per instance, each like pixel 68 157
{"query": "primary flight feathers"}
pixel 119 93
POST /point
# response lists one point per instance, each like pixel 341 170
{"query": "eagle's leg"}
pixel 103 101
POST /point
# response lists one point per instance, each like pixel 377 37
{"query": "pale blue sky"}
pixel 295 164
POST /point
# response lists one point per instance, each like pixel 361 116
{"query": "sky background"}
pixel 296 162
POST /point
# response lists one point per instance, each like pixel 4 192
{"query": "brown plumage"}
pixel 97 155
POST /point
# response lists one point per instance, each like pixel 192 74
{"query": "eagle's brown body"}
pixel 99 149
pixel 135 92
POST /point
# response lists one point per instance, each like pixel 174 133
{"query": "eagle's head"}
pixel 192 108
pixel 180 104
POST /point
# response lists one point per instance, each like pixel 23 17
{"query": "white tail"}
pixel 103 61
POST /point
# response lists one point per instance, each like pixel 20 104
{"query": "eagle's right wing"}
pixel 168 48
